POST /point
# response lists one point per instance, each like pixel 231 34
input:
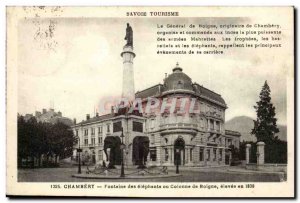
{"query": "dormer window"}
pixel 180 84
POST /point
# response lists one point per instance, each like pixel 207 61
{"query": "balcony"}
pixel 172 126
pixel 216 131
pixel 213 115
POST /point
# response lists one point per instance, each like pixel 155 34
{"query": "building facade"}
pixel 49 116
pixel 181 122
pixel 194 138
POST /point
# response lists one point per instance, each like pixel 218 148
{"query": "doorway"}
pixel 179 151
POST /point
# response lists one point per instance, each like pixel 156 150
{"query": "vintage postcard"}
pixel 150 101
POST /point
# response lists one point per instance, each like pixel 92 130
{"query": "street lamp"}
pixel 79 160
pixel 177 160
pixel 122 153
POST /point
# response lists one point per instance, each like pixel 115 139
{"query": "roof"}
pixel 233 133
pixel 149 92
pixel 199 90
pixel 97 118
pixel 208 93
pixel 180 81
pixel 63 120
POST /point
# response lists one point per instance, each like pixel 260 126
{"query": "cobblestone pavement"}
pixel 188 175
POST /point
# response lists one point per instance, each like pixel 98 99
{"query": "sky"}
pixel 77 63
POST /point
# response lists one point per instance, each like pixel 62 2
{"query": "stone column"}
pixel 204 156
pixel 170 155
pixel 214 125
pixel 196 155
pixel 217 155
pixel 187 152
pixel 192 152
pixel 211 155
pixel 208 124
pixel 260 153
pixel 158 156
pixel 248 146
pixel 128 75
pixel 128 156
pixel 223 156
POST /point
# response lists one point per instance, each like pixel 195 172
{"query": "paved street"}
pixel 188 175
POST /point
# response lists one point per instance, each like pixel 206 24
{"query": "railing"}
pixel 214 131
pixel 213 114
pixel 92 145
pixel 178 125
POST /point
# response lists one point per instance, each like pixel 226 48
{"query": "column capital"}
pixel 260 143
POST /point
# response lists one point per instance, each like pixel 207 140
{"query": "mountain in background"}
pixel 244 125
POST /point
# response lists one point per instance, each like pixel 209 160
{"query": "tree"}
pixel 62 141
pixel 234 155
pixel 265 126
pixel 23 141
pixel 41 139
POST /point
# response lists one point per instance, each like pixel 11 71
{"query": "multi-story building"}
pixel 49 116
pixel 181 122
pixel 199 135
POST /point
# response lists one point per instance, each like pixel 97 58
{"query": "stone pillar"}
pixel 208 124
pixel 217 155
pixel 158 156
pixel 187 157
pixel 223 156
pixel 128 156
pixel 163 155
pixel 170 156
pixel 260 153
pixel 128 76
pixel 196 155
pixel 204 155
pixel 211 155
pixel 214 125
pixel 248 146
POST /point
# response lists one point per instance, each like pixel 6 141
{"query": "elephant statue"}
pixel 140 151
pixel 113 143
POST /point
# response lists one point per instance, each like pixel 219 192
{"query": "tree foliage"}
pixel 265 126
pixel 39 141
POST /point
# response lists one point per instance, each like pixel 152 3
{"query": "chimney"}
pixel 37 114
pixel 44 111
pixel 74 121
pixel 97 114
pixel 59 114
pixel 166 75
pixel 87 116
pixel 112 110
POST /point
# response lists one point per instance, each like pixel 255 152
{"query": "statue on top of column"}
pixel 129 36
